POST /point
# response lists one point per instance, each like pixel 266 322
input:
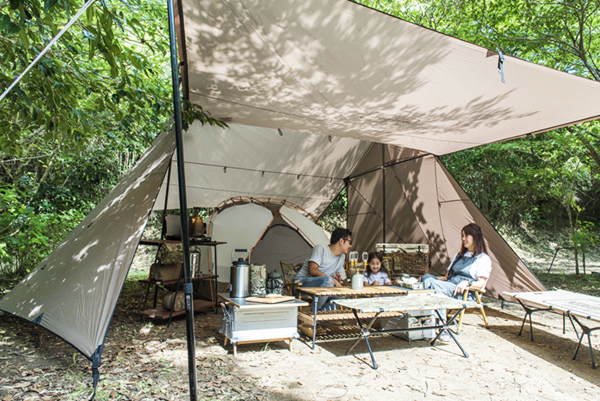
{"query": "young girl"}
pixel 376 273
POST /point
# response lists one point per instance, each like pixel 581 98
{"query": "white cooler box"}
pixel 413 320
pixel 241 325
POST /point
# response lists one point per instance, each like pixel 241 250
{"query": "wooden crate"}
pixel 412 259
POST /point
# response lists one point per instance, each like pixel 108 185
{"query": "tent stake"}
pixel 185 239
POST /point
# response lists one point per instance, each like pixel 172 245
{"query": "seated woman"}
pixel 470 267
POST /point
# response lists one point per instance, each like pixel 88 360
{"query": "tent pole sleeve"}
pixel 383 188
pixel 185 239
pixel 163 232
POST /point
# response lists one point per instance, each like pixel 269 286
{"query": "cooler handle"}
pixel 240 251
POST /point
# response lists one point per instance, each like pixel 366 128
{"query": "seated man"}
pixel 325 265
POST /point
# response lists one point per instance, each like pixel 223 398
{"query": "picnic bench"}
pixel 579 308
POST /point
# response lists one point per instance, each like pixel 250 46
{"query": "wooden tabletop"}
pixel 348 291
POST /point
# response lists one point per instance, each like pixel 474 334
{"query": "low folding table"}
pixel 403 304
pixel 577 307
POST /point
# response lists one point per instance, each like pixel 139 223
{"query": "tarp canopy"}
pixel 338 68
pixel 73 292
pixel 309 87
pixel 425 204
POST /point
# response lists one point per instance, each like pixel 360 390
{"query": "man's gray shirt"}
pixel 328 263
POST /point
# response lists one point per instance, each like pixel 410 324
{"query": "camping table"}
pixel 403 304
pixel 572 304
pixel 246 322
pixel 344 292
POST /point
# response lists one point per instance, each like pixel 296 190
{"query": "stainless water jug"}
pixel 240 275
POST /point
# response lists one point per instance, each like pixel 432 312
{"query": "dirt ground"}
pixel 148 361
pixel 144 360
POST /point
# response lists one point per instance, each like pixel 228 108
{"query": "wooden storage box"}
pixel 412 259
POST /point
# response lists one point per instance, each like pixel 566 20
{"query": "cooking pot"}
pixel 240 275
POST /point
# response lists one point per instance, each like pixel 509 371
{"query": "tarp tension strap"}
pixel 95 373
pixel 501 65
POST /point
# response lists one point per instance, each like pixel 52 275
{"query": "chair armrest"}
pixel 477 289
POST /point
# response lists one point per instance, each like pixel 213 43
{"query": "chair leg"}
pixel 483 315
pixel 462 312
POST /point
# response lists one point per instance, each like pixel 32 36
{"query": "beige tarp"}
pixel 73 292
pixel 334 67
pixel 424 204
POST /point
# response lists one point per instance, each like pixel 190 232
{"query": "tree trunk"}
pixel 593 152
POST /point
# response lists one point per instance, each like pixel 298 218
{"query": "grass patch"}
pixel 582 283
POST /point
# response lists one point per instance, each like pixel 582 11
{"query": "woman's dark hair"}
pixel 376 255
pixel 473 230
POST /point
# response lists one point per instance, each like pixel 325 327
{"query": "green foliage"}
pixel 27 236
pixel 105 76
pixel 80 117
pixel 533 180
pixel 335 214
pixel 585 236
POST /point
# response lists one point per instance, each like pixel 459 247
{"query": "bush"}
pixel 26 237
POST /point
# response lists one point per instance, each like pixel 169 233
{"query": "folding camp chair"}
pixel 289 272
pixel 477 292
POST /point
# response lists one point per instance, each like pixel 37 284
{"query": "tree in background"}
pixel 80 118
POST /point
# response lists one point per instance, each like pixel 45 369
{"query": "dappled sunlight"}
pixel 78 257
pixel 338 68
pixel 34 312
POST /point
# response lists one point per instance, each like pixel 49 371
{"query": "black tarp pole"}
pixel 383 178
pixel 188 289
